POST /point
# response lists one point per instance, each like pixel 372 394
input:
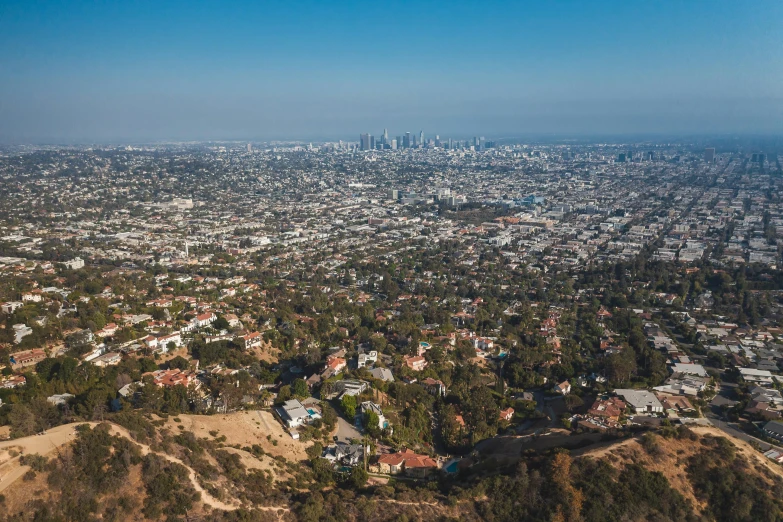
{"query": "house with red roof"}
pixel 408 462
pixel 252 340
pixel 171 378
pixel 204 319
pixel 416 362
pixel 507 414
pixel 335 363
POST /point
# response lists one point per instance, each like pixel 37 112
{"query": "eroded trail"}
pixel 206 498
pixel 11 469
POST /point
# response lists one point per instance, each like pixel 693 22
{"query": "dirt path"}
pixel 265 422
pixel 61 435
pixel 206 498
pixel 11 469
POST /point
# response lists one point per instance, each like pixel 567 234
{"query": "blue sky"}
pixel 101 71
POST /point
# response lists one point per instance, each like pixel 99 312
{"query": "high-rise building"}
pixel 372 142
pixel 393 144
pixel 385 136
pixel 481 143
pixel 709 154
pixel 406 141
pixel 364 142
pixel 250 147
pixel 421 138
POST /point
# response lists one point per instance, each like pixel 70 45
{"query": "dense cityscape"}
pixel 391 262
pixel 269 321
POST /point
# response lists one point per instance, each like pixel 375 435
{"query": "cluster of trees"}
pixel 27 411
pixel 89 479
pixel 721 477
pixel 586 490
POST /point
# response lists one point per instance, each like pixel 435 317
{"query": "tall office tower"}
pixel 394 194
pixel 437 140
pixel 451 143
pixel 762 157
pixel 399 142
pixel 709 154
pixel 385 136
pixel 421 138
pixel 755 158
pixel 481 143
pixel 650 156
pixel 393 144
pixel 475 141
pixel 364 142
pixel 621 158
pixel 372 142
pixel 406 141
pixel 250 147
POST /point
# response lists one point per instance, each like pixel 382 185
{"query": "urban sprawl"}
pixel 403 306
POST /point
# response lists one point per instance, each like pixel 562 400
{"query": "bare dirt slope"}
pixel 11 469
pixel 12 450
pixel 244 428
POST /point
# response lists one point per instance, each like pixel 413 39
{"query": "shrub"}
pixel 35 461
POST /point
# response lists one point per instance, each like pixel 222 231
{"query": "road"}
pixel 730 429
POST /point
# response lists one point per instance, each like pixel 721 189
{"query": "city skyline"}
pixel 77 72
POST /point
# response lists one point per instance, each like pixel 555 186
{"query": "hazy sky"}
pixel 103 71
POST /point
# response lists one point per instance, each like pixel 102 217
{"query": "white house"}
pixel 761 377
pixel 368 407
pixel 204 319
pixel 366 358
pixel 293 413
pixel 20 332
pixel 642 401
pixel 163 342
pixel 32 297
pixel 9 307
pixel 74 264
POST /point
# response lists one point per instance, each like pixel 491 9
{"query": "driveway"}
pixel 346 431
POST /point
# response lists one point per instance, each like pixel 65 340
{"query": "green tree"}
pixel 348 405
pixel 300 388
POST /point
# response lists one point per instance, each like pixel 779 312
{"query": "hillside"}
pixel 104 471
pixel 670 457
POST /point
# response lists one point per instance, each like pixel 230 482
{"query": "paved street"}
pixel 730 429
